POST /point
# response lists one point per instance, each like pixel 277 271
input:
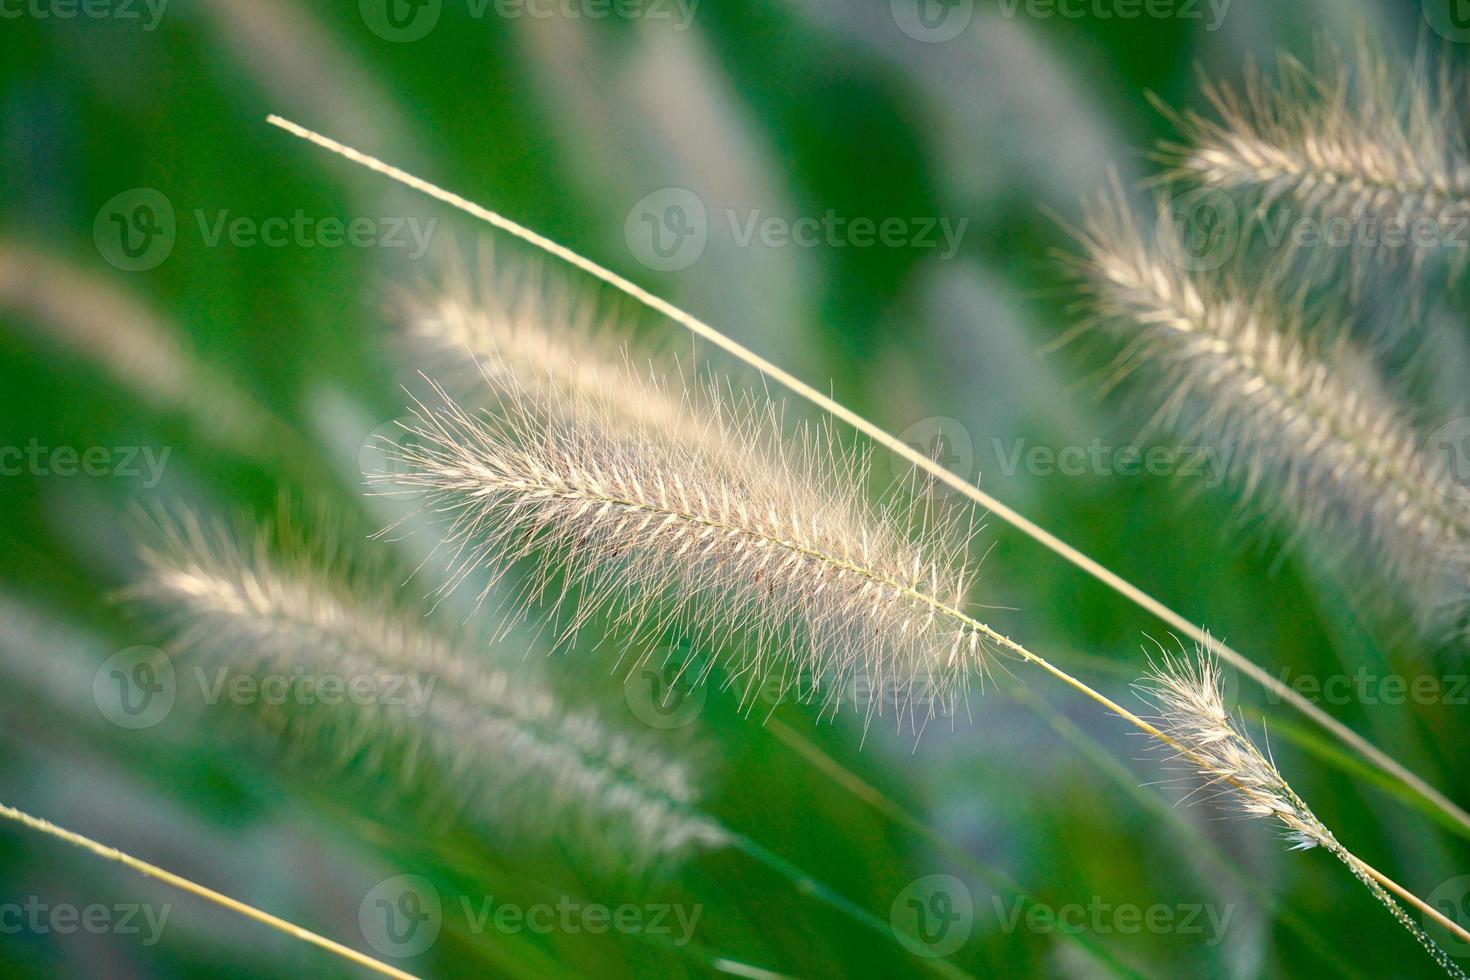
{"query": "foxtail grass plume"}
pixel 515 761
pixel 1380 147
pixel 96 322
pixel 1186 690
pixel 514 325
pixel 741 539
pixel 784 378
pixel 1307 426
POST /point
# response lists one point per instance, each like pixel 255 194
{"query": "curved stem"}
pixel 892 443
pixel 1453 927
pixel 208 894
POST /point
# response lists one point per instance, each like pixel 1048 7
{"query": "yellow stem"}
pixel 1043 537
pixel 208 894
pixel 1454 928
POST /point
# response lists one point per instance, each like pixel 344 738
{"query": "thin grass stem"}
pixel 890 442
pixel 208 894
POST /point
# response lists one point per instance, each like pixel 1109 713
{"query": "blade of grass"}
pixel 875 798
pixel 1120 774
pixel 208 894
pixel 898 447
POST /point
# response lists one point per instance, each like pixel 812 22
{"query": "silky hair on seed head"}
pixel 743 537
pixel 1310 432
pixel 491 745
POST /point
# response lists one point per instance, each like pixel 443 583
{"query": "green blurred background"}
pixel 261 369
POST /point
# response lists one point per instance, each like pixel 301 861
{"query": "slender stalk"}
pixel 875 798
pixel 208 894
pixel 633 516
pixel 1454 927
pixel 808 885
pixel 1346 856
pixel 1194 840
pixel 890 442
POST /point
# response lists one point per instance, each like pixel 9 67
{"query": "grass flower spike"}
pixel 657 527
pixel 1186 691
pixel 1355 141
pixel 1309 427
pixel 519 763
pixel 741 539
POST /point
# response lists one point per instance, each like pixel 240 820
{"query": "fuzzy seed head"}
pixel 1356 139
pixel 1307 427
pixel 737 538
pixel 1186 691
pixel 510 757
